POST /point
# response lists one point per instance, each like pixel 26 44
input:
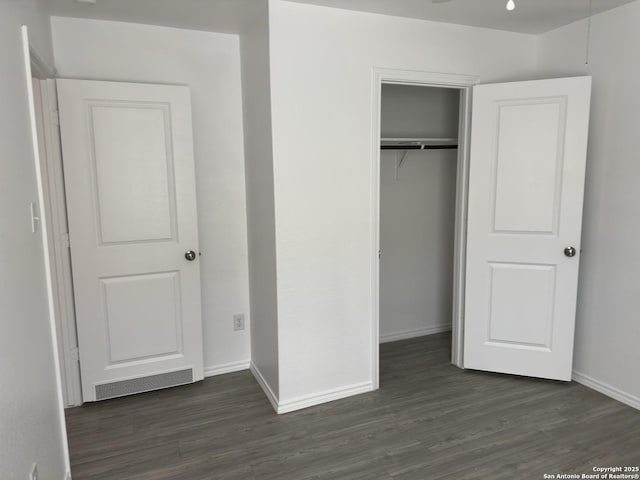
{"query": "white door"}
pixel 130 185
pixel 528 155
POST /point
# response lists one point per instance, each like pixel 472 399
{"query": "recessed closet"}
pixel 419 138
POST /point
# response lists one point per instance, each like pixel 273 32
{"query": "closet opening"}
pixel 423 131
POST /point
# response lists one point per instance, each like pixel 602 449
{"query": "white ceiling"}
pixel 228 16
pixel 530 16
pixel 224 16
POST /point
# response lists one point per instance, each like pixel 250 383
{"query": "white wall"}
pixel 210 64
pixel 418 111
pixel 321 76
pixel 607 327
pixel 417 213
pixel 254 46
pixel 30 413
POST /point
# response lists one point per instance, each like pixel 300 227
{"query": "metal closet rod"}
pixel 417 147
pixel 399 143
pixel 407 144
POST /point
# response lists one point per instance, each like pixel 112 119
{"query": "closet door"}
pixel 527 168
pixel 130 184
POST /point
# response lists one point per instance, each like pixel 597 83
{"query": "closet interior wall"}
pixel 417 212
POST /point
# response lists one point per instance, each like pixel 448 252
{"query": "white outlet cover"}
pixel 238 322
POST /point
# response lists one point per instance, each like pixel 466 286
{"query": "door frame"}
pixel 54 211
pixel 36 67
pixel 463 83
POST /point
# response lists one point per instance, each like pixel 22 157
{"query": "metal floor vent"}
pixel 143 384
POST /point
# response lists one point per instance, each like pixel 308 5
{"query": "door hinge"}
pixel 74 353
pixel 379 254
pixel 66 241
pixel 55 117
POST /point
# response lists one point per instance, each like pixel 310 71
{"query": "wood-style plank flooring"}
pixel 428 421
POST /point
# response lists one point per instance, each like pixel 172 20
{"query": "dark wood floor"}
pixel 429 421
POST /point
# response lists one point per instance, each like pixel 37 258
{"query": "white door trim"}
pixel 29 57
pixel 55 209
pixel 460 235
pixel 61 264
pixel 464 83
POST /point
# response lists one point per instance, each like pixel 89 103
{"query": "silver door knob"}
pixel 570 252
pixel 190 255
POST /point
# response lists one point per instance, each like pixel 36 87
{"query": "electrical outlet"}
pixel 34 472
pixel 238 322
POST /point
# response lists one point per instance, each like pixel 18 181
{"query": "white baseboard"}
pixel 323 397
pixel 307 400
pixel 226 368
pixel 606 389
pixel 420 332
pixel 265 386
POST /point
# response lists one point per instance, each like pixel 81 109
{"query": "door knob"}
pixel 570 252
pixel 190 255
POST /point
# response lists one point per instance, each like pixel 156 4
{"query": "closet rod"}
pixel 417 147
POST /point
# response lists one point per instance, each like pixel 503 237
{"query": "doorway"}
pixel 419 128
pixel 421 135
pixel 143 330
pixel 524 202
pixel 419 143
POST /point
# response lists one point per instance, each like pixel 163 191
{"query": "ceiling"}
pixel 530 16
pixel 224 16
pixel 228 16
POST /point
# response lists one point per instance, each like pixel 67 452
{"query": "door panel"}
pixel 531 287
pixel 528 167
pixel 129 176
pixel 143 206
pixel 143 316
pixel 528 155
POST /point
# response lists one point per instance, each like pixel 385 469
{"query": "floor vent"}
pixel 143 384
